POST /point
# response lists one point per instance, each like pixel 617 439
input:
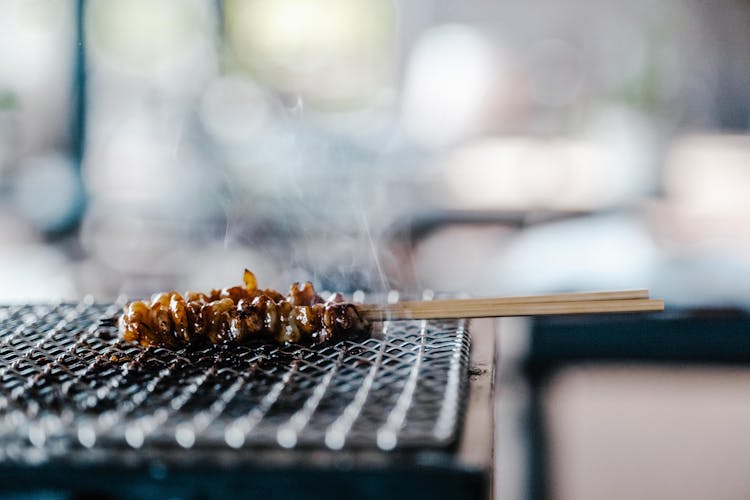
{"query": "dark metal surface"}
pixel 67 385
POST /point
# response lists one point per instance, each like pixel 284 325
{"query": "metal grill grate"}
pixel 67 383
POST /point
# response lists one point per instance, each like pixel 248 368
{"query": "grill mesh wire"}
pixel 67 383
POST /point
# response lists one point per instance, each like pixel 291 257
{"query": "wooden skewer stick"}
pixel 567 303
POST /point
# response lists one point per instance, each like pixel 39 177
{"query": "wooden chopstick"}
pixel 564 303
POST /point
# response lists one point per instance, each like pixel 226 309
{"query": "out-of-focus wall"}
pixel 303 139
pixel 40 191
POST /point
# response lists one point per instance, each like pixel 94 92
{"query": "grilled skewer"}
pixel 243 314
pixel 239 314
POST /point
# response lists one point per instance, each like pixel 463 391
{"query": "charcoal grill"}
pixel 76 399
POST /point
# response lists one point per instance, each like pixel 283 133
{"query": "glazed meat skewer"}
pixel 239 314
pixel 243 314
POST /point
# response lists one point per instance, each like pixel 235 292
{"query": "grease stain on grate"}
pixel 66 382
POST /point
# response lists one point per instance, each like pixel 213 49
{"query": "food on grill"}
pixel 240 314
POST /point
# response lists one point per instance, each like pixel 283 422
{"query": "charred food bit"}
pixel 240 314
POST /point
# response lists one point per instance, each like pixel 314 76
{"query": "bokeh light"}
pixel 334 53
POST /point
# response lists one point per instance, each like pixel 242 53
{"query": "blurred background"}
pixel 439 144
pixel 468 146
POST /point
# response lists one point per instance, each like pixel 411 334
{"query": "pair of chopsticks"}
pixel 532 305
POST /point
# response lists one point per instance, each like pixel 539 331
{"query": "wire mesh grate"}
pixel 67 382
